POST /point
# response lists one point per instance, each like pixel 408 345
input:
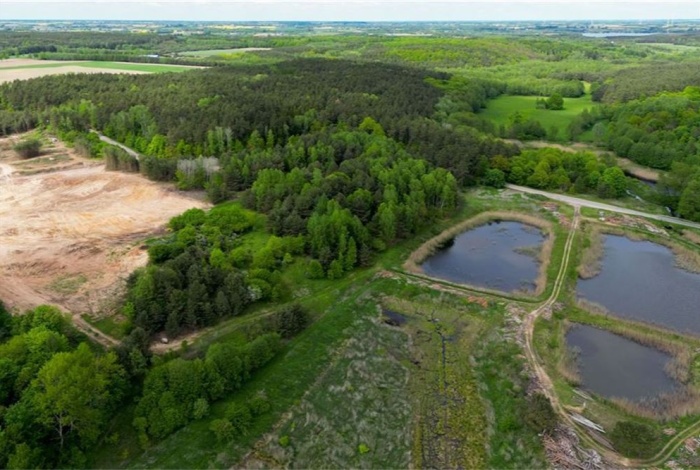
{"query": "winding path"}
pixel 107 140
pixel 533 358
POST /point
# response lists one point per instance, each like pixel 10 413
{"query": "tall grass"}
pixel 666 406
pixel 567 365
pixel 590 265
pixel 429 248
pixel 592 255
pixel 693 237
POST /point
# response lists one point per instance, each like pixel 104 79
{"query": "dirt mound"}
pixel 72 236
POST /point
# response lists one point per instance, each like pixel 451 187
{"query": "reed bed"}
pixel 429 248
pixel 591 259
pixel 693 237
pixel 659 338
pixel 667 406
pixel 592 255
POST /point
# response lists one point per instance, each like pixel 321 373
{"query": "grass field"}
pixel 216 52
pixel 502 108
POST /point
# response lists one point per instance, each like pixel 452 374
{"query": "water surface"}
pixel 486 256
pixel 639 280
pixel 613 366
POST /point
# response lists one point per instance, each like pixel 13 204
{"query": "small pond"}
pixel 639 280
pixel 393 318
pixel 499 255
pixel 613 366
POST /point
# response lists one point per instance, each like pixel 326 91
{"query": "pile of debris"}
pixel 564 451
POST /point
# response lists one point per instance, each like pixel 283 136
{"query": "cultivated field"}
pixel 70 232
pixel 22 69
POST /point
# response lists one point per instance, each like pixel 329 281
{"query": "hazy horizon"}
pixel 349 11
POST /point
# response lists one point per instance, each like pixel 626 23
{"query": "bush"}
pixel 240 417
pixel 634 439
pixel 540 415
pixel 28 148
pixel 201 408
pixel 222 429
pixel 259 404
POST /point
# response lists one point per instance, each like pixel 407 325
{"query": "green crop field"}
pixel 502 108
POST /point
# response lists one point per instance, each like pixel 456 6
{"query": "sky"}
pixel 350 10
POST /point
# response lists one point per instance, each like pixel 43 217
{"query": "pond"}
pixel 393 318
pixel 499 255
pixel 613 366
pixel 639 280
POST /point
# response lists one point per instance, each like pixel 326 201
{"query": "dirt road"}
pixel 107 140
pixel 575 201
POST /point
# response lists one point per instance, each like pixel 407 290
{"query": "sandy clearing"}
pixel 24 74
pixel 74 222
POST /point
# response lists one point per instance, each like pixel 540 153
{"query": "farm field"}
pixel 500 110
pixel 23 69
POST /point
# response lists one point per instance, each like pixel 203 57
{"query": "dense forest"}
pixel 45 367
pixel 659 132
pixel 47 420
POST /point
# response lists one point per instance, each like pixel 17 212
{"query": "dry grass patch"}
pixel 544 254
pixel 667 406
pixel 693 237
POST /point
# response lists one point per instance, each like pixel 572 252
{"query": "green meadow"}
pixel 501 109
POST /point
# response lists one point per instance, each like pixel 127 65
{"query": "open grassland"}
pixel 353 391
pixel 358 411
pixel 22 69
pixel 501 109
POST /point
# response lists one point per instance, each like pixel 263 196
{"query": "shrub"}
pixel 222 429
pixel 540 415
pixel 259 404
pixel 634 439
pixel 201 408
pixel 28 148
pixel 240 417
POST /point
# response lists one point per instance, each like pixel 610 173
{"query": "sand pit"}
pixel 71 236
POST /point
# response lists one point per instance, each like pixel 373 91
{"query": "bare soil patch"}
pixel 10 63
pixel 76 221
pixel 24 74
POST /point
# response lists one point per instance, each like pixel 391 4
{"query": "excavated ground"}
pixel 71 232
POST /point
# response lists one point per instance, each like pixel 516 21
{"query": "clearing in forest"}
pixel 70 232
pixel 500 110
